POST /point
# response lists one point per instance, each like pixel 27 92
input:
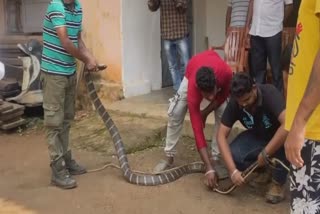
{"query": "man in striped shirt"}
pixel 62 41
pixel 237 13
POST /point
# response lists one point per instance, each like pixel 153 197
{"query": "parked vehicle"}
pixel 30 91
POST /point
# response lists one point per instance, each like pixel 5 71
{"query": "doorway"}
pixel 166 76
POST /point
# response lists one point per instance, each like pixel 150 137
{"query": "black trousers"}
pixel 263 49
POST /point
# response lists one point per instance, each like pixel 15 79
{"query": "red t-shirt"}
pixel 223 76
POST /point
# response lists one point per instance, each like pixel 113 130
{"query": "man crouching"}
pixel 261 110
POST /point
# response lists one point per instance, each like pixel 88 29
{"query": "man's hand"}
pixel 237 178
pixel 153 5
pixel 261 161
pixel 91 64
pixel 204 116
pixel 293 147
pixel 211 179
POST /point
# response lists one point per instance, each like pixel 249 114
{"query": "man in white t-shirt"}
pixel 266 32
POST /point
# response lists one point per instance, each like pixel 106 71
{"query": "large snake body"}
pixel 133 177
pixel 145 179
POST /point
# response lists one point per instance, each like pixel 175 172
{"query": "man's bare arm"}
pixel 287 11
pixel 311 98
pixel 68 45
pixel 308 104
pixel 279 137
pixel 206 158
pixel 84 50
pixel 211 107
pixel 224 147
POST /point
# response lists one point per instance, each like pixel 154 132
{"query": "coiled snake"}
pixel 140 178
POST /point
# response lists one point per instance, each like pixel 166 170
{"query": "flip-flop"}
pixel 161 166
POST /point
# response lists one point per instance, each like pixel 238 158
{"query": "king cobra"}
pixel 131 176
pixel 245 174
pixel 140 178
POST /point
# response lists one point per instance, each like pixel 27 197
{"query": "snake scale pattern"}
pixel 145 179
pixel 132 177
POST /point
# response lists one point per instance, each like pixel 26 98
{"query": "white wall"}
pixel 209 23
pixel 140 48
pixel 199 26
pixel 216 16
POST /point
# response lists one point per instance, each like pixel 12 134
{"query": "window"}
pixel 25 16
pixel 13 16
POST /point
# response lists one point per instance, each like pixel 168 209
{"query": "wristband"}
pixel 233 173
pixel 265 156
pixel 210 171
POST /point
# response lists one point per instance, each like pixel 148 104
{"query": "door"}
pixel 166 76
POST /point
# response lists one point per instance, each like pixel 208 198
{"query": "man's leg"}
pixel 276 191
pixel 273 46
pixel 69 107
pixel 53 105
pixel 69 111
pixel 304 185
pixel 183 50
pixel 245 149
pixel 220 167
pixel 258 59
pixel 176 112
pixel 170 49
pixel 217 117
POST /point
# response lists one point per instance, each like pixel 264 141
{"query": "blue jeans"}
pixel 172 48
pixel 245 149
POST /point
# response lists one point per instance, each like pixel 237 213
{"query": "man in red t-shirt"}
pixel 207 76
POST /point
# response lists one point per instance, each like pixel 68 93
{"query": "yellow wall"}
pixel 102 35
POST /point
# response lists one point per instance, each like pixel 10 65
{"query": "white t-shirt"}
pixel 267 19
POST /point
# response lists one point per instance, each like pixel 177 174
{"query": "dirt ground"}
pixel 25 174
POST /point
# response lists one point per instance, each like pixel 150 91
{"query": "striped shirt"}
pixel 239 12
pixel 55 59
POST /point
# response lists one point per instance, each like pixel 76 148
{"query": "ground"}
pixel 25 174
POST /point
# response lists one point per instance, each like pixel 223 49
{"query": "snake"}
pixel 141 178
pixel 245 174
pixel 271 162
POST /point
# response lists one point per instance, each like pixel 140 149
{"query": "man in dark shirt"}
pixel 261 110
